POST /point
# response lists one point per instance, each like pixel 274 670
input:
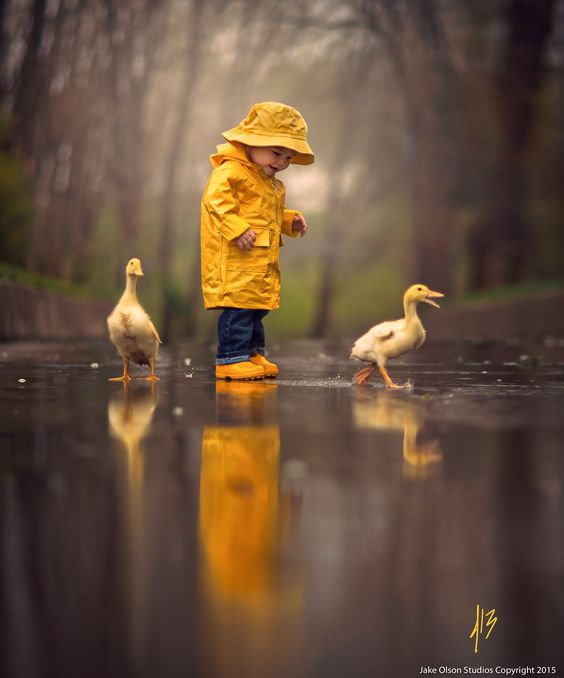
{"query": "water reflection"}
pixel 250 591
pixel 130 413
pixel 384 410
pixel 112 562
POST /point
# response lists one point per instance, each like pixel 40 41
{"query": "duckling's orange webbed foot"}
pixel 361 377
pixel 125 376
pixel 152 376
pixel 389 383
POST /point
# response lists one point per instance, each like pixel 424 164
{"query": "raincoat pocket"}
pixel 257 258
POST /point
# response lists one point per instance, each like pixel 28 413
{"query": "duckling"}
pixel 393 338
pixel 131 329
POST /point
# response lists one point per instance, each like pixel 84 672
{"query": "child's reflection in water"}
pixel 248 589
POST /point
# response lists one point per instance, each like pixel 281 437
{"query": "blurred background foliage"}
pixel 438 128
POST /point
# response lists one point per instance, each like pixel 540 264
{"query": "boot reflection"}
pixel 242 518
pixel 387 411
pixel 130 416
pixel 246 402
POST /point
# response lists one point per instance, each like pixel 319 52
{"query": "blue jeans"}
pixel 240 335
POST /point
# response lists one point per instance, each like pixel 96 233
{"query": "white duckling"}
pixel 131 329
pixel 393 338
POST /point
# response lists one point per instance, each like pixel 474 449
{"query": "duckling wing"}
pixel 115 324
pixel 368 347
pixel 385 330
pixel 154 330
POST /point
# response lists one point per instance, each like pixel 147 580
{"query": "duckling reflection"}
pixel 130 415
pixel 385 411
pixel 242 517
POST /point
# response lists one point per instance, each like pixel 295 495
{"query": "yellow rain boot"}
pixel 243 370
pixel 270 369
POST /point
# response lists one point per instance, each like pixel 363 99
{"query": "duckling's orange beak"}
pixel 430 296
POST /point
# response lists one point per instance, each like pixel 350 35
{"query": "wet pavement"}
pixel 297 527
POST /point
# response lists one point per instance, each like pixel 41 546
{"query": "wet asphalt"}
pixel 300 526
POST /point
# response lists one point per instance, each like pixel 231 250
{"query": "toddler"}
pixel 242 220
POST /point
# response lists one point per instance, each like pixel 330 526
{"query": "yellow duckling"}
pixel 393 338
pixel 131 329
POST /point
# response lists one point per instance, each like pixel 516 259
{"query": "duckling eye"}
pixel 419 289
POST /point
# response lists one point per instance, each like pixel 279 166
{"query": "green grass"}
pixel 297 300
pixel 21 276
pixel 520 290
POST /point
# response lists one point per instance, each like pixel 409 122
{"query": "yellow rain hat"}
pixel 272 124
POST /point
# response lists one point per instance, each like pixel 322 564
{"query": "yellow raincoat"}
pixel 239 194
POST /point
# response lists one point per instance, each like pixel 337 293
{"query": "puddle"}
pixel 299 526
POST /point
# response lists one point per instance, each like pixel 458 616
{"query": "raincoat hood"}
pixel 230 151
pixel 273 124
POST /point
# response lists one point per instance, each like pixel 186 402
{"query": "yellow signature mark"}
pixel 491 621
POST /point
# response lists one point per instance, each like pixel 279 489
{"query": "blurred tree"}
pixel 31 81
pixel 3 41
pixel 415 43
pixel 501 242
pixel 80 155
pixel 15 203
pixel 65 151
pixel 346 200
pixel 194 36
pixel 132 48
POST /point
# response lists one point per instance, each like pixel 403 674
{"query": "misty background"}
pixel 438 128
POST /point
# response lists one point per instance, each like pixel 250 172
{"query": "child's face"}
pixel 271 159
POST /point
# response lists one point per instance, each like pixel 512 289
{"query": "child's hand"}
pixel 246 241
pixel 299 224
